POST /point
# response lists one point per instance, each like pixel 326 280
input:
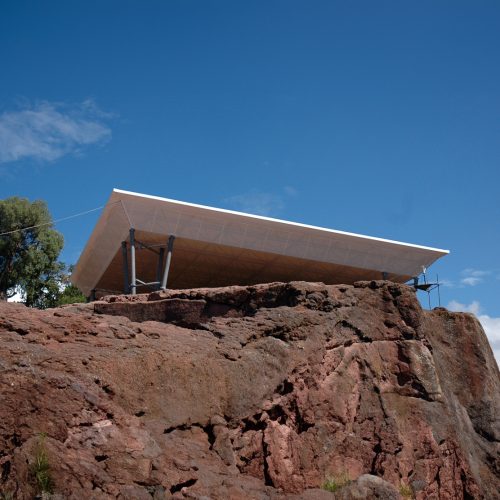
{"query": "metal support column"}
pixel 126 281
pixel 159 269
pixel 133 282
pixel 170 247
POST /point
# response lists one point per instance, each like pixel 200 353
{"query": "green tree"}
pixel 28 256
pixel 68 293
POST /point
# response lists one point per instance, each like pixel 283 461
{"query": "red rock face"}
pixel 250 392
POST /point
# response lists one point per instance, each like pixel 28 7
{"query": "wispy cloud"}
pixel 447 283
pixel 473 277
pixel 290 191
pixel 471 281
pixel 258 203
pixel 490 324
pixel 47 131
pixel 261 203
pixel 467 277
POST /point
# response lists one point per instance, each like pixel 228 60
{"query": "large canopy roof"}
pixel 216 247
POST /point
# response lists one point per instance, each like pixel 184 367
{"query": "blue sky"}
pixel 374 117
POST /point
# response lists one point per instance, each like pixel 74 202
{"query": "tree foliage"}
pixel 29 258
pixel 68 294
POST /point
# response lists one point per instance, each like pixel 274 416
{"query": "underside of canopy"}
pixel 215 247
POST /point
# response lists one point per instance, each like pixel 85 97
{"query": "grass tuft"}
pixel 405 491
pixel 40 469
pixel 334 483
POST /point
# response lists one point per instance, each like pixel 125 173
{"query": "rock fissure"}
pixel 377 450
pixel 358 332
pixel 180 486
pixel 268 481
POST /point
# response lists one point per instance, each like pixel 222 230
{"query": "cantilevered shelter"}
pixel 144 242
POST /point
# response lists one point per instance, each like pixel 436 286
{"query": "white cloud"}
pixel 447 283
pixel 474 307
pixel 471 281
pixel 258 203
pixel 477 273
pixel 48 131
pixel 492 329
pixel 261 203
pixel 472 277
pixel 18 296
pixel 469 277
pixel 491 325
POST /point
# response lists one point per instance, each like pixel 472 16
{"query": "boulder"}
pixel 258 392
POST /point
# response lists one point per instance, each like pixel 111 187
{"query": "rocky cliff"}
pixel 267 392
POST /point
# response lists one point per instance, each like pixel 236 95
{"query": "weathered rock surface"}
pixel 250 392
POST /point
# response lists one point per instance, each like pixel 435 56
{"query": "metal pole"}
pixel 170 247
pixel 160 266
pixel 126 282
pixel 133 283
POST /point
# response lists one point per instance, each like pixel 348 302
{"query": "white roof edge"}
pixel 281 221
